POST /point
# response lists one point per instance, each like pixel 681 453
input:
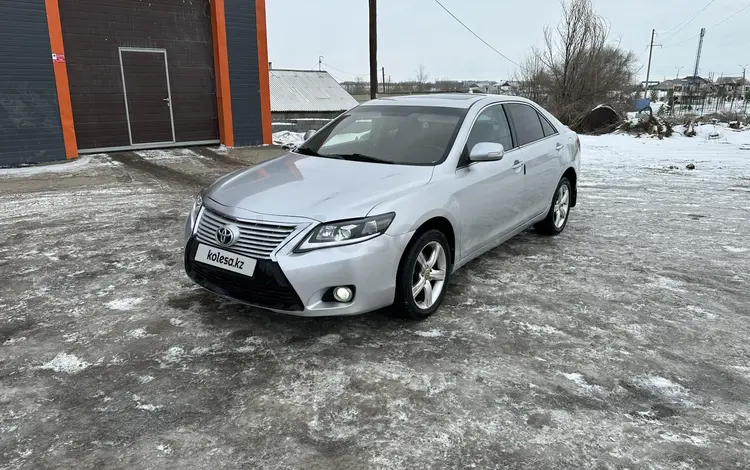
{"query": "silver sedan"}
pixel 383 204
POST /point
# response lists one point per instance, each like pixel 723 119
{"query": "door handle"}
pixel 559 147
pixel 517 164
pixel 169 101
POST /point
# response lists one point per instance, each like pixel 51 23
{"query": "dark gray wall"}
pixel 30 128
pixel 242 51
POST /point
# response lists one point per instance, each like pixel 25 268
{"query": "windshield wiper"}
pixel 365 158
pixel 313 153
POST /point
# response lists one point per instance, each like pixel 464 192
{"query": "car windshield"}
pixel 403 135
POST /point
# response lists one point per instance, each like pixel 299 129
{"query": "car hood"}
pixel 323 189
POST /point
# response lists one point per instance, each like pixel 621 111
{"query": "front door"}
pixel 490 193
pixel 148 101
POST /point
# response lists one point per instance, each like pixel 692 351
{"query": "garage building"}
pixel 85 76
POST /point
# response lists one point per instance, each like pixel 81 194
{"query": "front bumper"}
pixel 296 283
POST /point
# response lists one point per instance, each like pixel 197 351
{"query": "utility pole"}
pixel 678 71
pixel 743 87
pixel 648 71
pixel 696 85
pixel 373 49
pixel 384 91
pixel 700 50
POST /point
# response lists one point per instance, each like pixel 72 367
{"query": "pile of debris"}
pixel 605 120
pixel 644 122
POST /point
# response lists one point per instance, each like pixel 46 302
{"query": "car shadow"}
pixel 226 314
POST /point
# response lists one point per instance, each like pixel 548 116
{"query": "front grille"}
pixel 257 239
pixel 267 288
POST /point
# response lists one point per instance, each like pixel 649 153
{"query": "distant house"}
pixel 733 85
pixel 306 99
pixel 683 86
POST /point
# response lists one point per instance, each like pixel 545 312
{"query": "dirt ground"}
pixel 623 343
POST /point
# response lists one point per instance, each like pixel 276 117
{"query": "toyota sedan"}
pixel 382 205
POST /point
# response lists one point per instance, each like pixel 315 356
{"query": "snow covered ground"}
pixel 623 343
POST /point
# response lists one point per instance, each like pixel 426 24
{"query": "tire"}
pixel 552 224
pixel 412 272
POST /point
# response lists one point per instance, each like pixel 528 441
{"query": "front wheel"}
pixel 423 276
pixel 557 218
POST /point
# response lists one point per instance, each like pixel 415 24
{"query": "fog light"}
pixel 342 294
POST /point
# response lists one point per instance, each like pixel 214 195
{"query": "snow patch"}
pixel 330 339
pixel 734 249
pixel 139 333
pixel 67 363
pixel 148 407
pixel 661 386
pixel 64 167
pixel 164 448
pixel 145 406
pixel 434 333
pixel 174 354
pixel 583 385
pixel 666 283
pixel 10 341
pixel 539 330
pixel 288 138
pixel 124 304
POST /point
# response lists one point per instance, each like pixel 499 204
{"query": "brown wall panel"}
pixel 93 30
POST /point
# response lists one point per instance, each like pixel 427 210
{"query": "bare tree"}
pixel 422 78
pixel 532 78
pixel 578 67
pixel 360 86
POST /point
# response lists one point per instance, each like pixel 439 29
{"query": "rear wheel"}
pixel 557 218
pixel 423 276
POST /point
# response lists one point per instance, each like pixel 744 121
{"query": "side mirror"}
pixel 487 152
pixel 309 134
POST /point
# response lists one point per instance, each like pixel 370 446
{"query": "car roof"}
pixel 446 100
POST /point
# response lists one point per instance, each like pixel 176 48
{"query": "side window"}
pixel 526 123
pixel 491 126
pixel 546 126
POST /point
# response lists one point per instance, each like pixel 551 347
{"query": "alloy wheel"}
pixel 429 275
pixel 562 206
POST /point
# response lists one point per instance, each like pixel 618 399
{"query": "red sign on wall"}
pixel 58 58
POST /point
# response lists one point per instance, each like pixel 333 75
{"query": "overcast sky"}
pixel 414 32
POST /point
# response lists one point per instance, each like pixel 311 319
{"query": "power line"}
pixel 690 20
pixel 711 27
pixel 731 16
pixel 476 35
pixel 346 73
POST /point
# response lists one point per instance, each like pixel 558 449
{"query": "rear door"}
pixel 490 193
pixel 540 145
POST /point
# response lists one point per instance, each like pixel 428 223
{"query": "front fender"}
pixel 416 208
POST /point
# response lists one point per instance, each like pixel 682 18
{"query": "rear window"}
pixel 546 126
pixel 526 123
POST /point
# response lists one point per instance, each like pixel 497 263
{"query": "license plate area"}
pixel 225 260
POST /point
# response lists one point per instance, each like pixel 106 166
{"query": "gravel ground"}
pixel 623 343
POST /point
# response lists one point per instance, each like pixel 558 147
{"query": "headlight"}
pixel 346 232
pixel 198 202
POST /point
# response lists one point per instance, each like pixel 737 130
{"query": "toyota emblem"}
pixel 226 235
